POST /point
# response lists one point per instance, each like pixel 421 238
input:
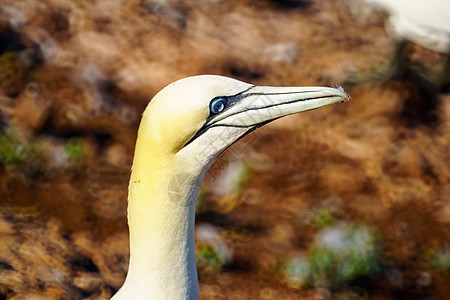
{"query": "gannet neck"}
pixel 161 212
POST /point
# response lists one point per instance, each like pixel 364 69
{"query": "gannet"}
pixel 426 23
pixel 182 131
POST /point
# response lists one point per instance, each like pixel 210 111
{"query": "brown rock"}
pixel 32 109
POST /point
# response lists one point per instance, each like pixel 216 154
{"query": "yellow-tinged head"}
pixel 179 110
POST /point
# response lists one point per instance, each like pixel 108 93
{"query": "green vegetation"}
pixel 29 158
pixel 11 73
pixel 323 218
pixel 74 150
pixel 297 271
pixel 439 261
pixel 320 217
pixel 341 254
pixel 210 257
pixel 12 150
pixel 25 157
pixel 244 174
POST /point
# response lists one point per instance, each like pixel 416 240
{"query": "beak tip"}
pixel 346 97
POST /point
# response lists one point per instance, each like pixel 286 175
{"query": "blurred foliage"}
pixel 210 257
pixel 26 157
pixel 245 173
pixel 74 150
pixel 12 151
pixel 323 218
pixel 319 218
pixel 229 184
pixel 297 271
pixel 233 178
pixel 31 158
pixel 11 73
pixel 439 261
pixel 341 254
pixel 224 193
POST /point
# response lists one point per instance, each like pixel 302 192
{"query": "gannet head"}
pixel 183 129
pixel 191 121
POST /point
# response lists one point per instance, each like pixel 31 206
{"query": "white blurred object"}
pixel 14 16
pixel 425 22
pixel 281 52
pixel 230 179
pixel 208 234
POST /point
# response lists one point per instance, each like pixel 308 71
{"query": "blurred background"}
pixel 347 202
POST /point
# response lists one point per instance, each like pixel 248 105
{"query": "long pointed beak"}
pixel 261 104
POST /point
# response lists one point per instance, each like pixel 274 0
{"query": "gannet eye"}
pixel 218 105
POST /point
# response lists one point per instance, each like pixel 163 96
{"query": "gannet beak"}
pixel 261 104
pixel 258 105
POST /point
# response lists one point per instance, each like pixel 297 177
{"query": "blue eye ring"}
pixel 218 105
